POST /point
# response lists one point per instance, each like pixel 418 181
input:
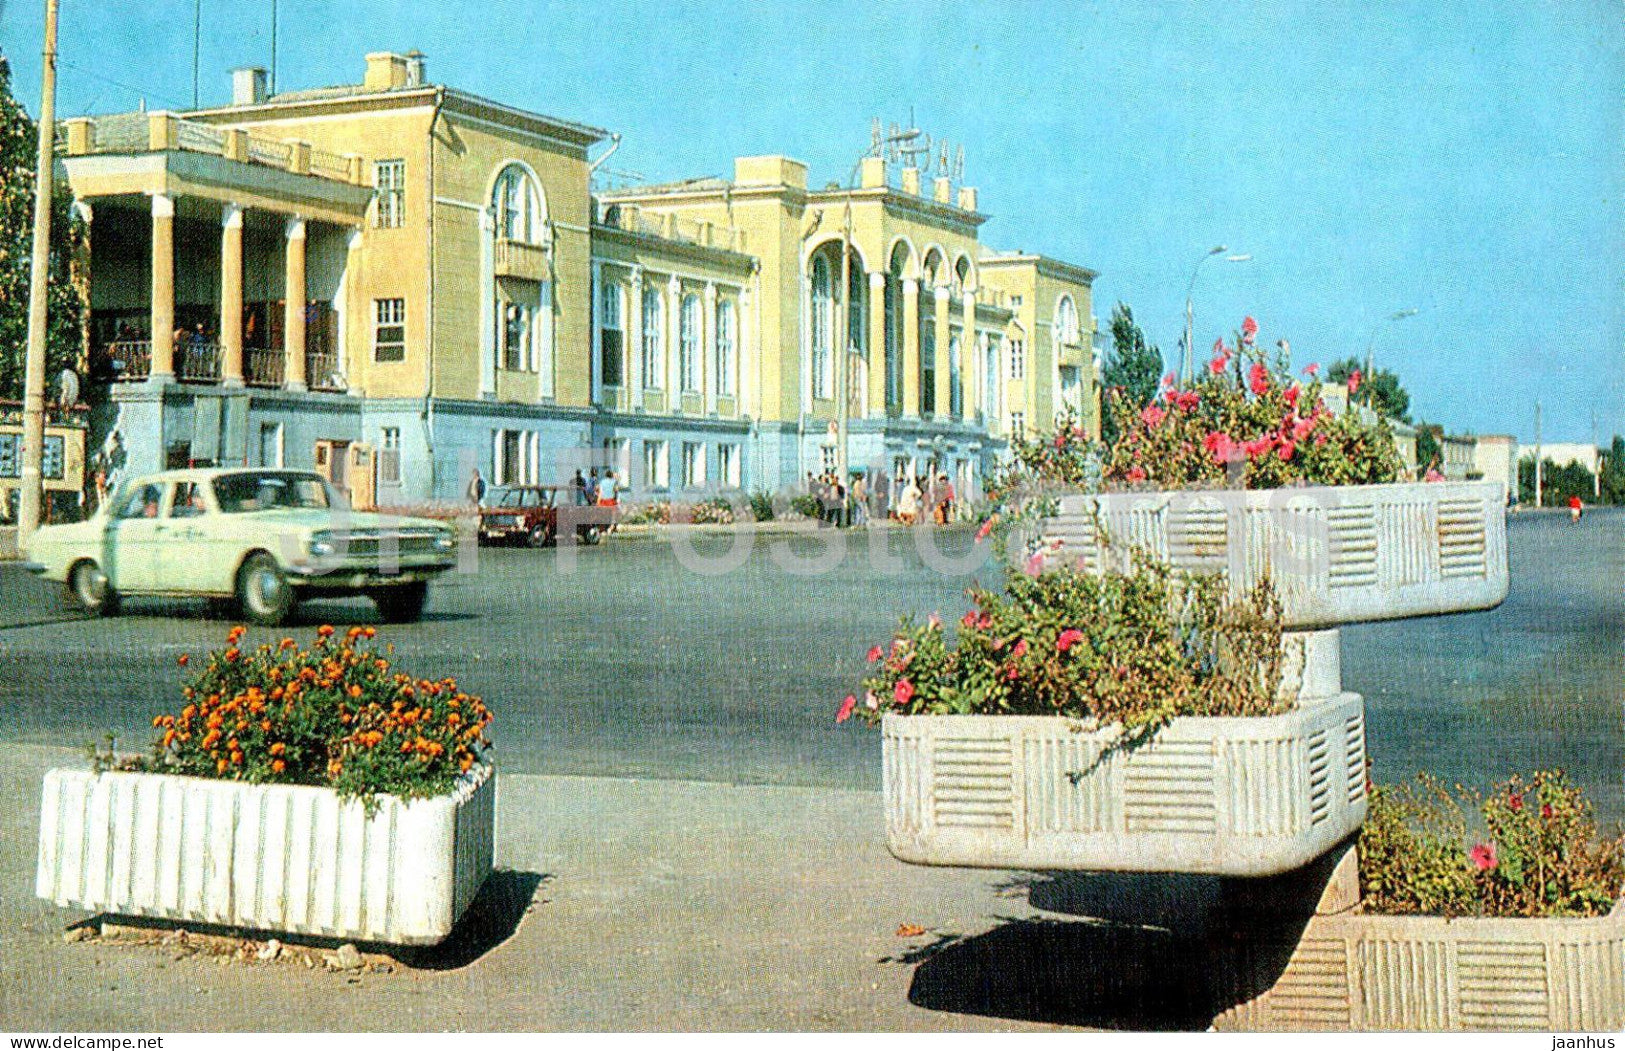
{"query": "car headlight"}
pixel 445 541
pixel 320 544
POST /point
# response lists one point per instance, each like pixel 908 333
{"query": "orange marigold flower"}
pixel 453 719
pixel 325 631
pixel 355 691
pixel 183 660
pixel 286 644
pixel 236 758
pixel 265 726
pixel 369 631
pixel 169 738
pixel 278 748
pixel 466 762
pixel 277 766
pixel 219 766
pixel 236 633
pixel 157 721
pixel 232 654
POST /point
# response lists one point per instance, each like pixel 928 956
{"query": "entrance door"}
pixel 333 463
pixel 363 492
pixel 134 537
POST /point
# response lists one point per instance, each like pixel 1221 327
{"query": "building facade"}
pixel 398 283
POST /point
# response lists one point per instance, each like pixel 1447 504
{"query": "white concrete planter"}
pixel 1362 972
pixel 1336 554
pixel 1228 796
pixel 287 858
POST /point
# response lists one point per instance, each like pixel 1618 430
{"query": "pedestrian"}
pixel 592 488
pixel 476 489
pixel 908 505
pixel 946 496
pixel 607 490
pixel 578 485
pixel 1576 509
pixel 860 501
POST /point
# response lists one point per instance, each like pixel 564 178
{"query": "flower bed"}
pixel 304 790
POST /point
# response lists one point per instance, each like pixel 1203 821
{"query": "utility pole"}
pixel 843 371
pixel 30 496
pixel 1537 456
pixel 1596 461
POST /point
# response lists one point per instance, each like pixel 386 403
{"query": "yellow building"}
pixel 400 283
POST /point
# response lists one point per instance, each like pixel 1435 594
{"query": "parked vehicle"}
pixel 529 514
pixel 266 539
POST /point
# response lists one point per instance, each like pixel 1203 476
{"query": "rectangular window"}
pixel 1018 359
pixel 656 464
pixel 51 456
pixel 729 466
pixel 1018 426
pixel 515 457
pixel 956 389
pixel 928 367
pixel 688 343
pixel 271 445
pixel 515 336
pixel 1015 302
pixel 654 339
pixel 726 340
pixel 609 333
pixel 390 177
pixel 389 457
pixel 826 459
pixel 11 452
pixel 389 330
pixel 693 465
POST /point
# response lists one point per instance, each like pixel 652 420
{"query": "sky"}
pixel 1462 159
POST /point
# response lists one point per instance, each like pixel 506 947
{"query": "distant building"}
pixel 1564 453
pixel 1495 459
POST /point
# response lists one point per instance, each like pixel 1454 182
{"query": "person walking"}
pixel 607 490
pixel 908 505
pixel 860 501
pixel 1576 509
pixel 476 489
pixel 578 485
pixel 592 488
pixel 946 495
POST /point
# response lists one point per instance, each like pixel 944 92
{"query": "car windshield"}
pixel 264 491
pixel 527 498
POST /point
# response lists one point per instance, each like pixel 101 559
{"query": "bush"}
pixel 761 506
pixel 655 513
pixel 335 715
pixel 807 506
pixel 715 511
pixel 1540 853
pixel 1136 648
pixel 1245 417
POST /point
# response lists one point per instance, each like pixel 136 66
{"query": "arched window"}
pixel 688 345
pixel 609 332
pixel 727 342
pixel 516 205
pixel 1066 321
pixel 823 308
pixel 654 338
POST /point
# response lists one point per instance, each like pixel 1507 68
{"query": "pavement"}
pixel 637 905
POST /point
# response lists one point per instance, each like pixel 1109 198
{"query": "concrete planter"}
pixel 287 858
pixel 1226 796
pixel 1336 554
pixel 1363 972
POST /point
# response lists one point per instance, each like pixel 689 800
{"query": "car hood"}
pixel 354 521
pixel 70 533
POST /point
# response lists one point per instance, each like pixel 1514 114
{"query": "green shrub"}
pixel 761 506
pixel 807 506
pixel 1532 849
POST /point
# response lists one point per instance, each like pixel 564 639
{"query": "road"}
pixel 624 663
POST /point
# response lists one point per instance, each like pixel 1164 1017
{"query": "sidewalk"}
pixel 657 905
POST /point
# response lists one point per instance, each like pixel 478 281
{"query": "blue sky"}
pixel 1460 158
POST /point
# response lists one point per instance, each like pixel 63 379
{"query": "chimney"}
pixel 385 70
pixel 247 86
pixel 414 68
pixel 873 172
pixel 967 198
pixel 911 180
pixel 941 189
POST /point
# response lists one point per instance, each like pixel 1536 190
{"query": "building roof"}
pixel 1046 264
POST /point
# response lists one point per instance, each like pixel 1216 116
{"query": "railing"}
pixel 263 366
pixel 197 362
pixel 322 371
pixel 269 152
pixel 156 131
pixel 521 259
pixel 129 359
pixel 672 228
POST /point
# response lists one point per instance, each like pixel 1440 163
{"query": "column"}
pixel 293 306
pixel 708 348
pixel 231 295
pixel 970 359
pixel 634 338
pixel 911 347
pixel 877 344
pixel 163 289
pixel 358 313
pixel 747 368
pixel 596 348
pixel 944 404
pixel 674 334
pixel 79 273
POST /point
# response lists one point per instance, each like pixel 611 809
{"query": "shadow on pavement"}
pixel 26 600
pixel 494 917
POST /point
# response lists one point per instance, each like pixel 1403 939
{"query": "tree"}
pixel 1132 366
pixel 1557 484
pixel 1380 390
pixel 65 331
pixel 1429 446
pixel 1613 472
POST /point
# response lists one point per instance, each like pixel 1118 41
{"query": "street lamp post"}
pixel 31 495
pixel 1189 362
pixel 1371 343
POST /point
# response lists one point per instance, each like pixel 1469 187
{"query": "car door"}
pixel 135 534
pixel 185 553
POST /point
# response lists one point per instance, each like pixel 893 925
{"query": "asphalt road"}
pixel 625 663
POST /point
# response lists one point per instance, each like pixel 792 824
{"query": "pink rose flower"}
pixel 1249 329
pixel 986 527
pixel 1135 474
pixel 1285 449
pixel 1311 370
pixel 1152 415
pixel 1221 447
pixel 1483 856
pixel 1291 395
pixel 1259 446
pixel 969 619
pixel 1069 638
pixel 870 701
pixel 1035 564
pixel 903 692
pixel 1433 476
pixel 1354 381
pixel 875 653
pixel 1020 650
pixel 1168 380
pixel 847 705
pixel 1258 378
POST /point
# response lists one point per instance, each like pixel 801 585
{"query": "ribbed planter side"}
pixel 1362 972
pixel 1223 796
pixel 289 858
pixel 1336 554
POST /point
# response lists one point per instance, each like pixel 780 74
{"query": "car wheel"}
pixel 89 587
pixel 263 591
pixel 402 603
pixel 541 536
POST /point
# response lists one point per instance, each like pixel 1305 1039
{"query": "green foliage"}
pixel 806 505
pixel 1540 853
pixel 335 715
pixel 1134 648
pixel 1245 420
pixel 1557 484
pixel 67 312
pixel 761 506
pixel 1429 446
pixel 1132 367
pixel 1380 389
pixel 1613 473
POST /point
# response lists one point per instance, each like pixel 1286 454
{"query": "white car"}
pixel 263 538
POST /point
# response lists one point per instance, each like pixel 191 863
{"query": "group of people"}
pixel 588 490
pixel 904 499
